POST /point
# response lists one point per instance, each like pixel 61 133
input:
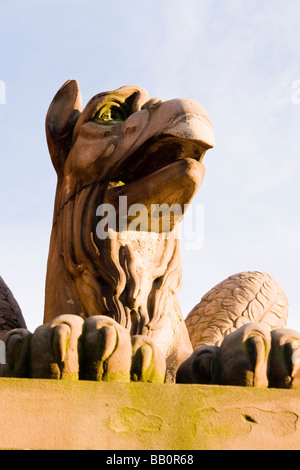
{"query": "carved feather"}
pixel 10 313
pixel 248 297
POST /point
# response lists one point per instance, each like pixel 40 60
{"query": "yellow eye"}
pixel 110 114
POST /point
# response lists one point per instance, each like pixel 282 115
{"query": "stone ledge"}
pixel 49 414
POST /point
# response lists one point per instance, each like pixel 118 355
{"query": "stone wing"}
pixel 248 297
pixel 10 313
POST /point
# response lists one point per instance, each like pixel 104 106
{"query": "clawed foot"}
pixel 70 348
pixel 100 349
pixel 251 356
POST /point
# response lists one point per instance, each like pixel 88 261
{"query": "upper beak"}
pixel 190 121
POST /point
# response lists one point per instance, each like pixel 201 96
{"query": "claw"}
pixel 148 363
pixel 244 356
pixel 17 348
pixel 104 350
pixel 284 362
pixel 54 348
pixel 202 367
pixel 60 339
pixel 107 342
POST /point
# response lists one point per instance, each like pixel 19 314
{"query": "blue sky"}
pixel 238 58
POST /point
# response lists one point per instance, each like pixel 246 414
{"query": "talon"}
pixel 148 363
pixel 54 348
pixel 107 342
pixel 202 367
pixel 244 356
pixel 284 361
pixel 60 339
pixel 104 351
pixel 17 345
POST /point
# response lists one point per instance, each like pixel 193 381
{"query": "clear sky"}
pixel 239 58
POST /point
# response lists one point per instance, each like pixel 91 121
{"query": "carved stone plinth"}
pixel 68 414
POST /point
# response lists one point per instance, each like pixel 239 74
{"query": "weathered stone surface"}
pixel 63 414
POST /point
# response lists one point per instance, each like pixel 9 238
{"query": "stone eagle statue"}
pixel 128 167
